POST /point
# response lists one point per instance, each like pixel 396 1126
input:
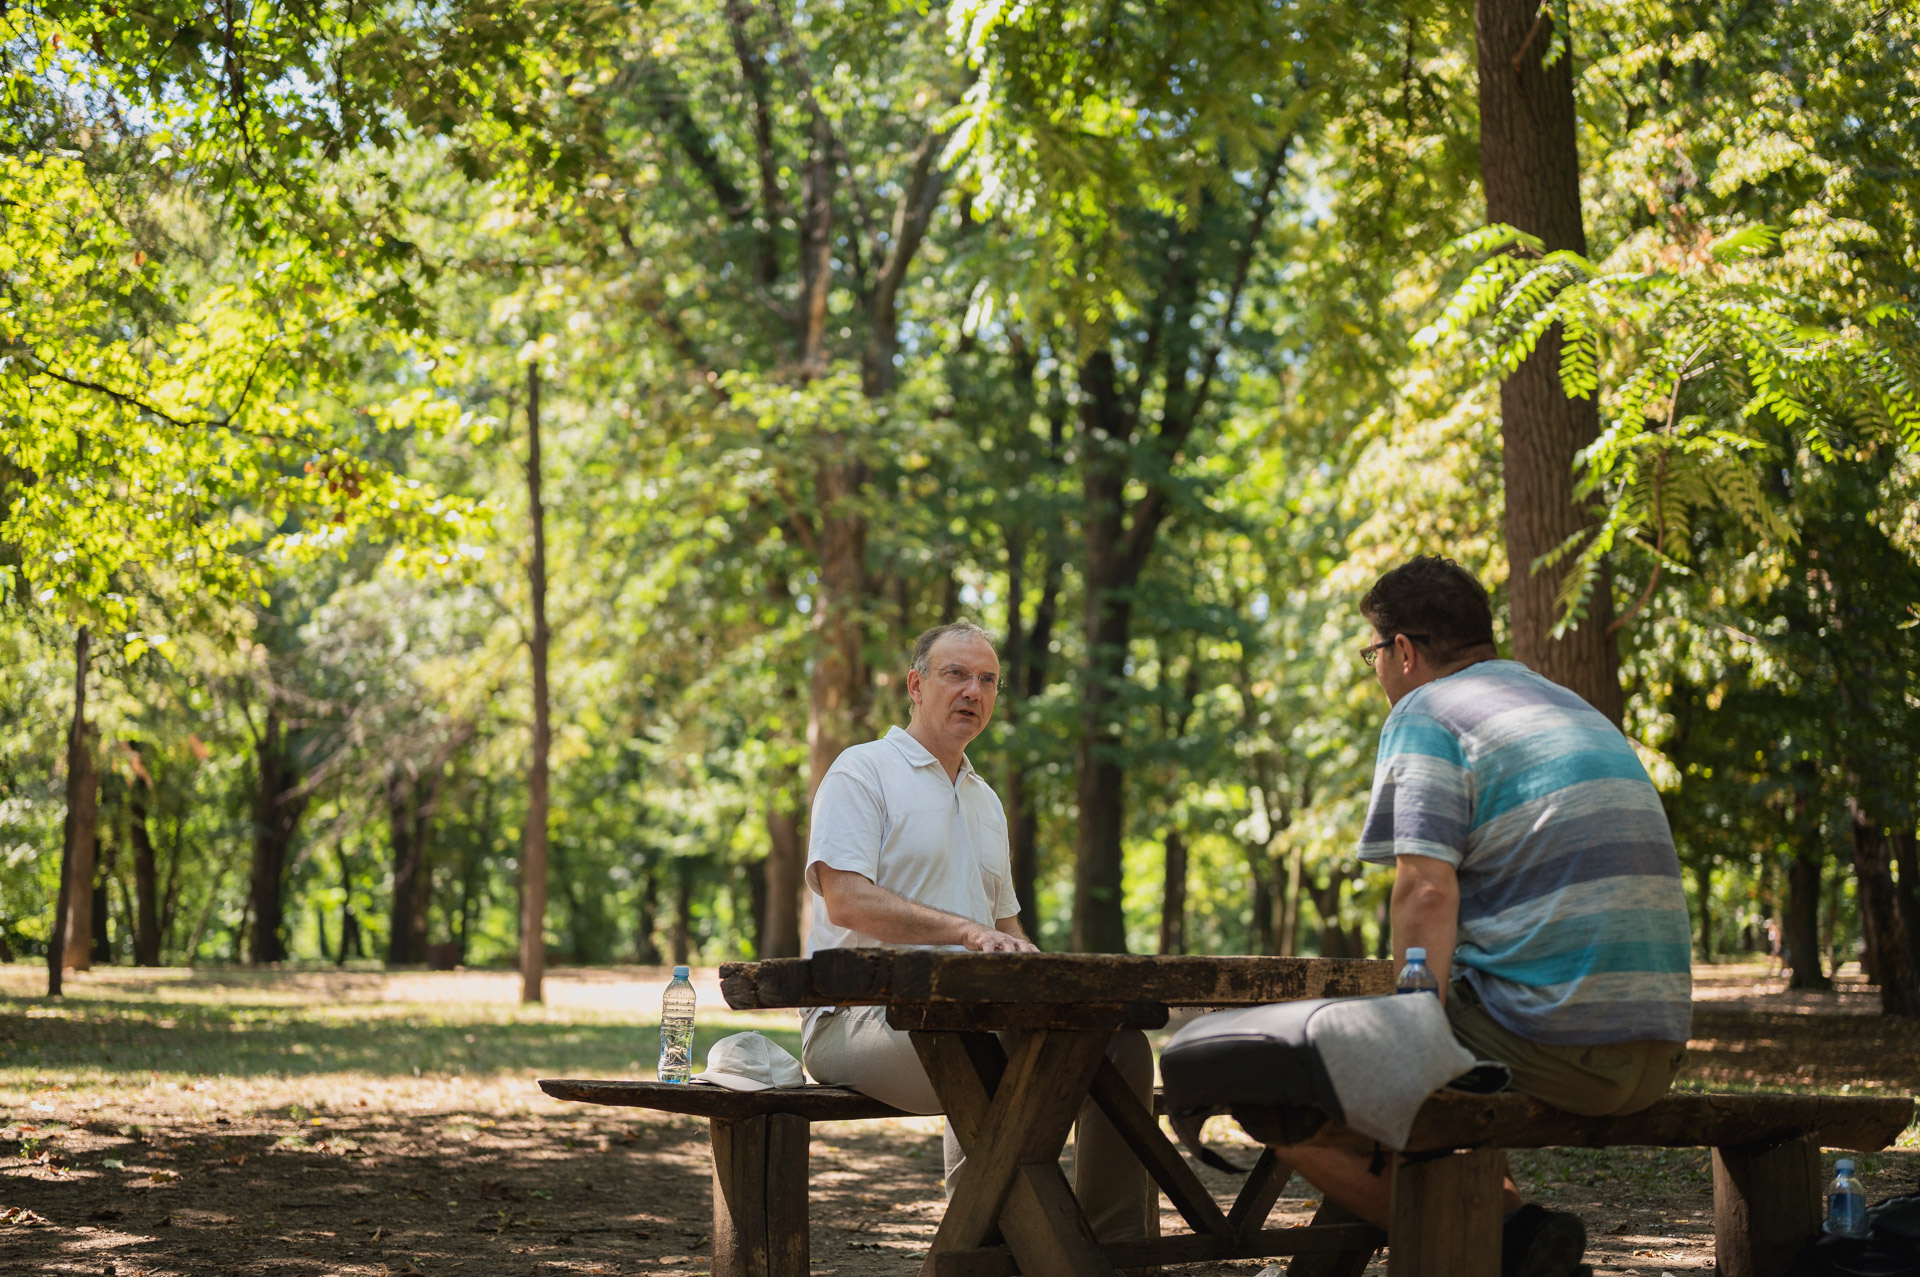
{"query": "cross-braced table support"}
pixel 1011 1107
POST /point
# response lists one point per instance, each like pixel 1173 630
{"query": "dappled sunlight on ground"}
pixel 313 1123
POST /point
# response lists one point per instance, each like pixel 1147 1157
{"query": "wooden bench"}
pixel 1766 1175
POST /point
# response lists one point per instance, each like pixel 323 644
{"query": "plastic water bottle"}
pixel 676 1029
pixel 1846 1202
pixel 1414 977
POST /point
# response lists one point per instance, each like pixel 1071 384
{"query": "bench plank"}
pixel 1451 1119
pixel 815 1103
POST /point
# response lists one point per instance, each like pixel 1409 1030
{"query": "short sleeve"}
pixel 1422 802
pixel 1007 905
pixel 846 829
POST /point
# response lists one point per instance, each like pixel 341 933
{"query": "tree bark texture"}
pixel 277 807
pixel 533 843
pixel 1530 168
pixel 146 866
pixel 1883 929
pixel 82 832
pixel 81 799
pixel 1802 937
pixel 1099 923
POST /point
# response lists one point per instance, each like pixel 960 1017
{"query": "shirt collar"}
pixel 918 755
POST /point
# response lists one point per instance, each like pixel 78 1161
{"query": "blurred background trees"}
pixel 1146 335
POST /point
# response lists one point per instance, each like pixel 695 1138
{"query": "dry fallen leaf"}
pixel 377 1234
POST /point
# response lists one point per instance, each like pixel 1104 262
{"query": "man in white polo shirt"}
pixel 908 846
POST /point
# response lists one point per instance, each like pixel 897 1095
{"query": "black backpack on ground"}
pixel 1891 1247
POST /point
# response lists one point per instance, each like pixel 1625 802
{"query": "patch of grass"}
pixel 94 1039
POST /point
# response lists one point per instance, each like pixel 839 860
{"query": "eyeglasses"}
pixel 955 676
pixel 1371 653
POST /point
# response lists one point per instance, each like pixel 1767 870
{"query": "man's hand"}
pixel 988 940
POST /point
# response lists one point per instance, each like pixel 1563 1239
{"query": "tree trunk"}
pixel 786 858
pixel 835 708
pixel 1884 931
pixel 756 871
pixel 533 845
pixel 349 925
pixel 276 814
pixel 411 801
pixel 1703 891
pixel 1173 896
pixel 1803 921
pixel 1290 902
pixel 1028 649
pixel 1530 168
pixel 72 941
pixel 1099 921
pixel 646 950
pixel 146 867
pixel 102 920
pixel 682 914
pixel 1901 840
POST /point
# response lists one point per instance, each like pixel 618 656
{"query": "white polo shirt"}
pixel 887 810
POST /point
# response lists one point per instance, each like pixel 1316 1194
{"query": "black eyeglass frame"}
pixel 1371 653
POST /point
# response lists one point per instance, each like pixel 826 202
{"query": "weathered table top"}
pixel 885 976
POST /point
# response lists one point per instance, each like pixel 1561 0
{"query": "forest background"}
pixel 461 454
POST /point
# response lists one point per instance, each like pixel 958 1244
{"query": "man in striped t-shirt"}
pixel 1534 864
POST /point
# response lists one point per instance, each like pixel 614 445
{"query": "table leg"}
pixel 1446 1216
pixel 1766 1206
pixel 760 1196
pixel 1013 1135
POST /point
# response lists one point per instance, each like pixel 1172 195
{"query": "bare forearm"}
pixel 855 902
pixel 1426 912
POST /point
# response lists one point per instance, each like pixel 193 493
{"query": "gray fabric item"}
pixel 1386 1056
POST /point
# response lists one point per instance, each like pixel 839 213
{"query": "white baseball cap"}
pixel 750 1062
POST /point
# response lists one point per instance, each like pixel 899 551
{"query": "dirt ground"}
pixel 170 1123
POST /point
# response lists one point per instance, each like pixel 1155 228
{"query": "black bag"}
pixel 1258 1055
pixel 1890 1249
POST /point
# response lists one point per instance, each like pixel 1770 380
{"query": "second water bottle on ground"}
pixel 1846 1202
pixel 676 1029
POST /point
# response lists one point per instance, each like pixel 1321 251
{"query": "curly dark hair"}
pixel 1432 596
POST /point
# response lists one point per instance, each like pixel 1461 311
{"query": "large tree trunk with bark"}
pixel 76 844
pixel 146 865
pixel 277 807
pixel 1802 938
pixel 1883 929
pixel 1530 167
pixel 1099 923
pixel 533 842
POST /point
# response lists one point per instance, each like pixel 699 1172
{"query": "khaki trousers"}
pixel 855 1047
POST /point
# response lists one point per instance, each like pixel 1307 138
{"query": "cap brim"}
pixel 733 1082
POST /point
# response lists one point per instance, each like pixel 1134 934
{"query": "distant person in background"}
pixel 1776 954
pixel 907 845
pixel 1534 863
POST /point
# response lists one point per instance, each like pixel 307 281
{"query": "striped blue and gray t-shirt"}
pixel 1573 921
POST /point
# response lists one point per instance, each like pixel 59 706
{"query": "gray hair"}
pixel 923 646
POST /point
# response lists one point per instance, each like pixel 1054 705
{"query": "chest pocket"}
pixel 932 831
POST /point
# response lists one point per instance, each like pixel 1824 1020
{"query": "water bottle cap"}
pixel 1416 954
pixel 681 973
pixel 1844 1164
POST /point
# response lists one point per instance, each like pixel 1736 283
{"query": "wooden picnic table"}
pixel 1011 1101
